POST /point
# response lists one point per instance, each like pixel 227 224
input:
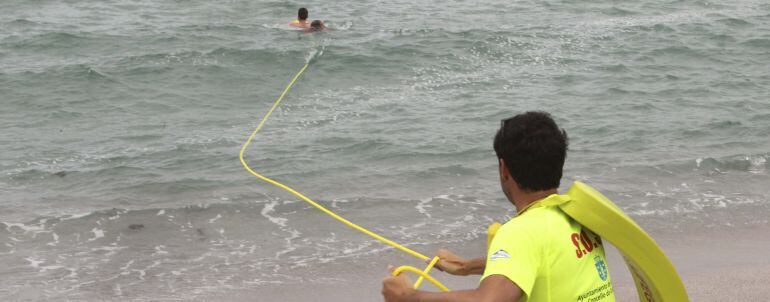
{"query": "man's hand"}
pixel 455 265
pixel 450 263
pixel 397 288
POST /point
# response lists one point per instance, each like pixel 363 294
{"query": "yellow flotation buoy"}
pixel 491 231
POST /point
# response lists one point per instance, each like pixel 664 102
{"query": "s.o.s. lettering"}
pixel 583 243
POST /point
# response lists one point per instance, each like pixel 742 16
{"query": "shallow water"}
pixel 122 122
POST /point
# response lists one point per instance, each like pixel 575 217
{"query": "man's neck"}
pixel 524 199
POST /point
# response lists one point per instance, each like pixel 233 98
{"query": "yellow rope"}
pixel 405 268
pixel 320 207
pixel 425 272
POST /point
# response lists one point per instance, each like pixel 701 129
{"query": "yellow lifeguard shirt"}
pixel 550 257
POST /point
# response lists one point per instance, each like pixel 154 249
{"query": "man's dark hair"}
pixel 302 14
pixel 533 148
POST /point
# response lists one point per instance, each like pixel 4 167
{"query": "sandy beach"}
pixel 716 265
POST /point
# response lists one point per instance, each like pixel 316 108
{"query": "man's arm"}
pixel 455 265
pixel 495 288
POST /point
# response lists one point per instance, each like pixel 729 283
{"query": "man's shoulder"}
pixel 535 221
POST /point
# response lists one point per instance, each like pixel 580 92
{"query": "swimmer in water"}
pixel 317 25
pixel 301 20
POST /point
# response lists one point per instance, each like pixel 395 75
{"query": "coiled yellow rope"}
pixel 423 274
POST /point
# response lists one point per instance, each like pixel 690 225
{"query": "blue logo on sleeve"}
pixel 601 268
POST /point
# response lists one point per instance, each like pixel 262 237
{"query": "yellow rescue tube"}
pixel 491 231
pixel 655 277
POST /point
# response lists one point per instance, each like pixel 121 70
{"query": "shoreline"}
pixel 715 265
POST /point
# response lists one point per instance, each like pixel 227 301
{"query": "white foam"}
pixel 270 208
pixel 643 212
pixel 128 264
pixel 283 26
pixel 75 216
pixel 422 205
pixel 293 234
pixel 117 215
pixel 314 53
pixel 143 272
pixel 161 212
pixel 334 202
pixel 26 228
pixel 757 164
pixel 159 250
pixel 98 233
pixel 110 249
pixel 50 267
pixel 35 263
pixel 332 238
pixel 215 218
pixel 696 203
pixel 656 194
pixel 55 239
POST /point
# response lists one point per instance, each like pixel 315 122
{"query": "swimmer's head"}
pixel 317 25
pixel 302 14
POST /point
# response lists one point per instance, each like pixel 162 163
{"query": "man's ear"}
pixel 504 173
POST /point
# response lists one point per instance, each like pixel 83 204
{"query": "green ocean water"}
pixel 122 121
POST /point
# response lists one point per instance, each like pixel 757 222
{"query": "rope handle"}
pixel 427 269
pixel 422 273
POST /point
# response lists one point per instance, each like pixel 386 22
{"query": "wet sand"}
pixel 716 265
